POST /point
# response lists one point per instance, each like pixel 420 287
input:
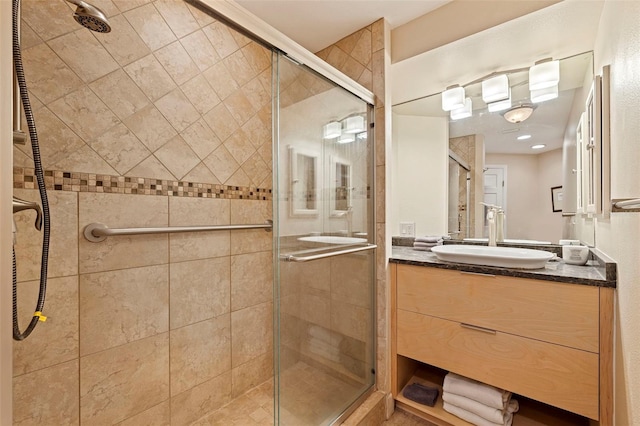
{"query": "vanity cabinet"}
pixel 548 341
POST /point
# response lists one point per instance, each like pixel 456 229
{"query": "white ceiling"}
pixel 316 24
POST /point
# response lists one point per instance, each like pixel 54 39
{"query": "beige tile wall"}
pixel 465 148
pixel 144 330
pixel 365 57
pixel 169 93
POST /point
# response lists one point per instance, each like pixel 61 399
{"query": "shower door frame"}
pixel 277 55
pixel 6 193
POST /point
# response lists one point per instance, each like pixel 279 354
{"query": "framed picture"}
pixel 556 198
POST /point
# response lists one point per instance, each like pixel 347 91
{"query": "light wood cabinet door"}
pixel 557 375
pixel 564 314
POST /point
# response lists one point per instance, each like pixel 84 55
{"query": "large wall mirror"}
pixel 514 155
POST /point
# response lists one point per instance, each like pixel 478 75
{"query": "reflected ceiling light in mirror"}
pixel 500 105
pixel 347 138
pixel 545 73
pixel 539 146
pixel 523 137
pixel 518 113
pixel 545 94
pixel 332 130
pixel 464 112
pixel 353 124
pixel 453 98
pixel 496 89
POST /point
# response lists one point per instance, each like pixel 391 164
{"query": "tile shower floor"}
pixel 308 391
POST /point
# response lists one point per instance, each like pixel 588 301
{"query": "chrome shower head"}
pixel 90 17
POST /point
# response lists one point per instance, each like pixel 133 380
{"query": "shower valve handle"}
pixel 19 205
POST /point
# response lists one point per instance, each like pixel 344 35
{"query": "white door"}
pixel 495 191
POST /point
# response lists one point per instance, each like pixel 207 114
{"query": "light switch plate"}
pixel 407 229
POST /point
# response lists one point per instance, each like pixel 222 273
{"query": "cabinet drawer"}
pixel 566 314
pixel 554 374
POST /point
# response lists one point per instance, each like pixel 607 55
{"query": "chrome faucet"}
pixel 348 215
pixel 492 213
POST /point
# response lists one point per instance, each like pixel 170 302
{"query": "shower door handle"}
pixel 20 204
pixel 294 258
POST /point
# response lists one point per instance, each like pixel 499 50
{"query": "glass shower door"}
pixel 325 273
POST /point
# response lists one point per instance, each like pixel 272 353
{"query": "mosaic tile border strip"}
pixel 57 180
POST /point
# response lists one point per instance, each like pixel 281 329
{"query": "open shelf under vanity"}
pixel 531 413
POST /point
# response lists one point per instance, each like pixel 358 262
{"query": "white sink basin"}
pixel 505 257
pixel 327 239
pixel 507 240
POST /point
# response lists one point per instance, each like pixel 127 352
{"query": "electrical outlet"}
pixel 408 229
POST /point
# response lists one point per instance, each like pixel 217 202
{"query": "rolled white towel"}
pixel 474 418
pixel 320 333
pixel 491 414
pixel 427 239
pixel 472 389
pixel 419 244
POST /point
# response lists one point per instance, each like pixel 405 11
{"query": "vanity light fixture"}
pixel 453 98
pixel 500 105
pixel 518 113
pixel 545 94
pixel 539 146
pixel 523 137
pixel 332 130
pixel 464 112
pixel 496 89
pixel 353 124
pixel 545 73
pixel 347 138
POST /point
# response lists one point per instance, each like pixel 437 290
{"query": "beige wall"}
pixel 421 170
pixel 529 182
pixel 618 44
pixel 163 122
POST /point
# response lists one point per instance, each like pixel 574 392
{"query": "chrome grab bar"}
pixel 96 232
pixel 294 258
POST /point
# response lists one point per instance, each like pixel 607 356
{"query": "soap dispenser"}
pixel 500 215
pixel 491 220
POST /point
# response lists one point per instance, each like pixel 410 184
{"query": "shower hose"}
pixel 28 113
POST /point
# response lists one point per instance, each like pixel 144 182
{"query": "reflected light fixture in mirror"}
pixel 500 105
pixel 453 98
pixel 518 113
pixel 545 94
pixel 464 112
pixel 523 137
pixel 545 73
pixel 353 124
pixel 347 138
pixel 496 89
pixel 332 130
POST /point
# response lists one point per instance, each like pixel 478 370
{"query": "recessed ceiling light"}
pixel 523 137
pixel 540 146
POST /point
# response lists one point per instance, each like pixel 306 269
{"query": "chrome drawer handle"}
pixel 477 273
pixel 476 328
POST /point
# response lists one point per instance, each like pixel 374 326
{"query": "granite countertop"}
pixel 600 271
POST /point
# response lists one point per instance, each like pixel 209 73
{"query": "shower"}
pixel 94 19
pixel 90 17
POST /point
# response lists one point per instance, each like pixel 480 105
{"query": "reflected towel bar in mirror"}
pixel 97 232
pixel 629 205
